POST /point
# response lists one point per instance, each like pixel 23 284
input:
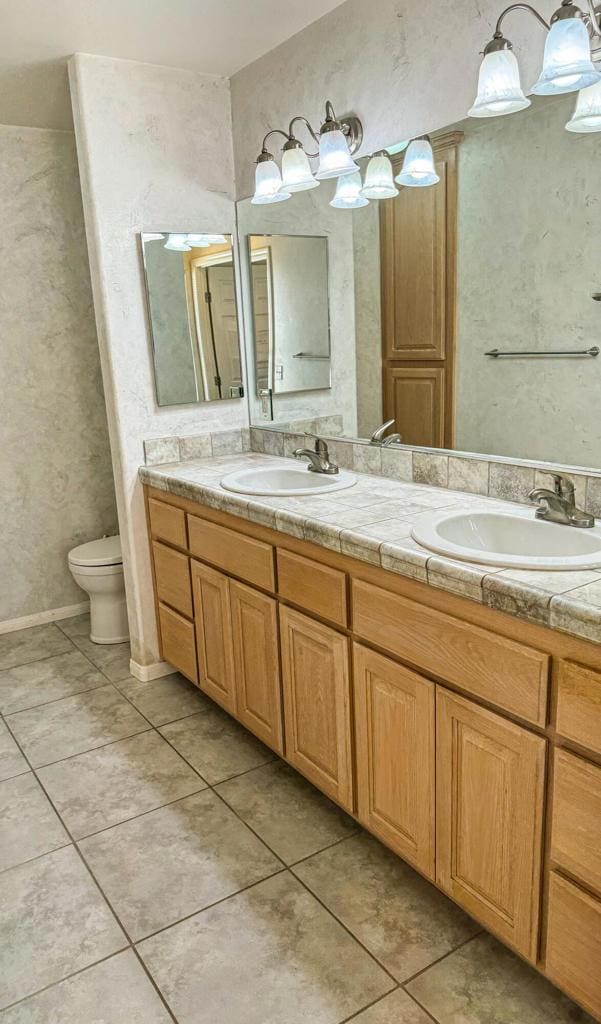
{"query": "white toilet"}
pixel 97 568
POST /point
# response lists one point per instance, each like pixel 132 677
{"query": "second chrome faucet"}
pixel 319 458
pixel 559 505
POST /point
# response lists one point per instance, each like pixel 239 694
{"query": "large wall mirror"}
pixel 191 293
pixel 469 311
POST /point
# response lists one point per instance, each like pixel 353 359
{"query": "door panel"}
pixel 316 682
pixel 254 631
pixel 490 781
pixel 214 635
pixel 414 398
pixel 394 721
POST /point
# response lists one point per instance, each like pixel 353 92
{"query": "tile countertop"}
pixel 372 522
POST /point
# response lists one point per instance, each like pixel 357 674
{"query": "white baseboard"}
pixel 68 612
pixel 146 673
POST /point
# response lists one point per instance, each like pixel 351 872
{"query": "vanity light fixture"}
pixel 349 195
pixel 336 140
pixel 587 115
pixel 379 183
pixel 418 168
pixel 567 63
pixel 177 243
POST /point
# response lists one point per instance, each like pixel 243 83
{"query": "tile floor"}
pixel 158 864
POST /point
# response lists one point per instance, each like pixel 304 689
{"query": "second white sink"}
pixel 288 480
pixel 514 540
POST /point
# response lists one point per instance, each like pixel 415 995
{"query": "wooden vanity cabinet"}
pixel 490 790
pixel 256 663
pixel 395 737
pixel 214 635
pixel 317 714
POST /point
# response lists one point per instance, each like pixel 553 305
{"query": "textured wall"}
pixel 405 68
pixel 57 485
pixel 155 153
pixel 308 213
pixel 527 265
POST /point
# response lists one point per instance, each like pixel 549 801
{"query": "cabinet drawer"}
pixel 177 642
pixel 576 832
pixel 245 557
pixel 313 586
pixel 167 523
pixel 579 704
pixel 574 943
pixel 172 576
pixel 491 667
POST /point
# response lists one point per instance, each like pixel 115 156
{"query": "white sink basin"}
pixel 286 481
pixel 515 540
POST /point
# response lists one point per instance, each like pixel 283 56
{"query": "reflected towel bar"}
pixel 308 355
pixel 594 351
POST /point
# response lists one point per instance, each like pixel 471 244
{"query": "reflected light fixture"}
pixel 177 243
pixel 418 169
pixel 379 183
pixel 198 241
pixel 587 115
pixel 348 193
pixel 567 62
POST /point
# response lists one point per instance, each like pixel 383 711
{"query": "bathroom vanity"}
pixel 465 739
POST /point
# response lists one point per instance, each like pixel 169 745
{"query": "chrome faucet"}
pixel 559 505
pixel 378 438
pixel 319 458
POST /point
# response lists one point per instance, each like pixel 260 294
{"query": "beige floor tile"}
pixel 396 1008
pixel 42 681
pixel 118 989
pixel 271 954
pixel 164 700
pixel 53 921
pixel 25 645
pixel 111 659
pixel 293 817
pixel 215 853
pixel 111 784
pixel 74 724
pixel 484 983
pixel 12 761
pixel 216 745
pixel 30 826
pixel 403 920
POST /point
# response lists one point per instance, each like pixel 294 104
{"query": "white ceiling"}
pixel 215 36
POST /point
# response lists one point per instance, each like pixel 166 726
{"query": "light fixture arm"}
pixel 519 7
pixel 272 131
pixel 314 136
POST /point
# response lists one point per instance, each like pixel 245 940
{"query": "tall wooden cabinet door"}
pixel 414 398
pixel 214 635
pixel 394 723
pixel 256 663
pixel 490 788
pixel 315 671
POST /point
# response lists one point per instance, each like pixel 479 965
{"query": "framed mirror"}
pixel 471 314
pixel 191 294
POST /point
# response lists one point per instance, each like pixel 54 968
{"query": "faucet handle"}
pixel 563 486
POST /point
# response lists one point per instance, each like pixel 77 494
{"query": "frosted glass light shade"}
pixel 198 241
pixel 587 115
pixel 418 166
pixel 268 183
pixel 334 156
pixel 296 171
pixel 379 183
pixel 567 64
pixel 499 88
pixel 177 243
pixel 348 193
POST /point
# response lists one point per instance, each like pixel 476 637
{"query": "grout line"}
pixel 374 1002
pixel 55 700
pixel 439 960
pixel 88 750
pixel 38 856
pixel 358 831
pixel 53 984
pixel 140 814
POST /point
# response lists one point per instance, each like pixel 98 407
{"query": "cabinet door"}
pixel 315 674
pixel 255 630
pixel 394 721
pixel 214 635
pixel 490 778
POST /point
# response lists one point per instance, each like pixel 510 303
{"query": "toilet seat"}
pixel 97 555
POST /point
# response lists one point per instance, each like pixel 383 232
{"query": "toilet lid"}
pixel 106 551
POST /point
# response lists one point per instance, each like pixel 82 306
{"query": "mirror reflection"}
pixel 470 315
pixel 191 293
pixel 291 331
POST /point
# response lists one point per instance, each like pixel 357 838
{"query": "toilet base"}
pixel 108 619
